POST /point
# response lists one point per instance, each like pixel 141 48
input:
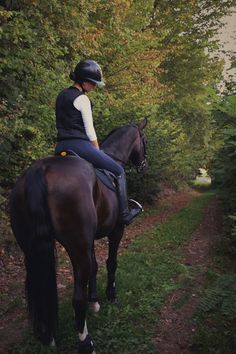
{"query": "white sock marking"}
pixel 83 335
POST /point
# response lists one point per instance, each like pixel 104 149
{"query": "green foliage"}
pixel 216 316
pixel 154 65
pixel 224 168
pixel 221 297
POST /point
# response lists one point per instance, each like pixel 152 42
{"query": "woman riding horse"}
pixel 76 131
pixel 62 199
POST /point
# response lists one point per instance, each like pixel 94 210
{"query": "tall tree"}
pixel 154 61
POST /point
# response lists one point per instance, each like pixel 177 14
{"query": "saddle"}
pixel 106 177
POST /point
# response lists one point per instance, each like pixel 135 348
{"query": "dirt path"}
pixel 176 327
pixel 172 203
pixel 13 313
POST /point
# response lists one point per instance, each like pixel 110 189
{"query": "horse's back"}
pixel 63 176
pixel 76 198
pixel 69 185
pixel 68 174
pixel 88 200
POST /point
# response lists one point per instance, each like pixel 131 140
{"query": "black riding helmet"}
pixel 87 70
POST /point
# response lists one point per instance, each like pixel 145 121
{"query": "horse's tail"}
pixel 41 286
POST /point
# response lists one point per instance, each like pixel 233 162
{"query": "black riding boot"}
pixel 126 214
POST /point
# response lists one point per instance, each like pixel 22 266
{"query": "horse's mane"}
pixel 111 133
pixel 115 131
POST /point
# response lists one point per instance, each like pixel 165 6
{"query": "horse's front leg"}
pixel 92 290
pixel 114 241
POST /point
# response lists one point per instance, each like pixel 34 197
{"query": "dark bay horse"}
pixel 60 198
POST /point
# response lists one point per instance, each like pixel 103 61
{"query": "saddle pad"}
pixel 107 178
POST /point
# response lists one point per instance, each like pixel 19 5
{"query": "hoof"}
pixel 111 295
pixel 112 300
pixel 86 346
pixel 94 307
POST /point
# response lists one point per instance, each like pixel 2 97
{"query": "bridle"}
pixel 140 166
pixel 143 163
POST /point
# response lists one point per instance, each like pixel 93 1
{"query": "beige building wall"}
pixel 227 37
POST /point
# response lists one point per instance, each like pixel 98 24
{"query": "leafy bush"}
pixel 216 317
pixel 224 174
pixel 141 49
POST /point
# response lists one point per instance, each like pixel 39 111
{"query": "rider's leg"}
pixel 101 160
pixel 93 155
pixel 127 215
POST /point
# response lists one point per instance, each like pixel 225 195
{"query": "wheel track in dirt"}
pixel 176 328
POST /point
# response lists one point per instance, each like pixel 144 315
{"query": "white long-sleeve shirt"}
pixel 82 103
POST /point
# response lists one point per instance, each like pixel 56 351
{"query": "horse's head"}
pixel 128 143
pixel 139 152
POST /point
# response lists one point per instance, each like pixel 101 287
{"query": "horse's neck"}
pixel 120 146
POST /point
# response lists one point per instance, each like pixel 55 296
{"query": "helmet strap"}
pixel 79 85
pixel 82 87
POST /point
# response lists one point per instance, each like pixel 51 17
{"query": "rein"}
pixel 116 158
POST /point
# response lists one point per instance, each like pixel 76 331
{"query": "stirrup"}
pixel 129 215
pixel 137 204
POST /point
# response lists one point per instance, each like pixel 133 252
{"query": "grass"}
pixel 216 314
pixel 146 274
pixel 200 185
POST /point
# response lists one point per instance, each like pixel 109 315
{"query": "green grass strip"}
pixel 146 275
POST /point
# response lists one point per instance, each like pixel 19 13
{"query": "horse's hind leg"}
pixel 114 241
pixel 92 290
pixel 80 255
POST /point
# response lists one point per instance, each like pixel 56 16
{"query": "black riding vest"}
pixel 69 120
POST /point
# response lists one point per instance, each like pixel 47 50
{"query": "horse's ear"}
pixel 143 124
